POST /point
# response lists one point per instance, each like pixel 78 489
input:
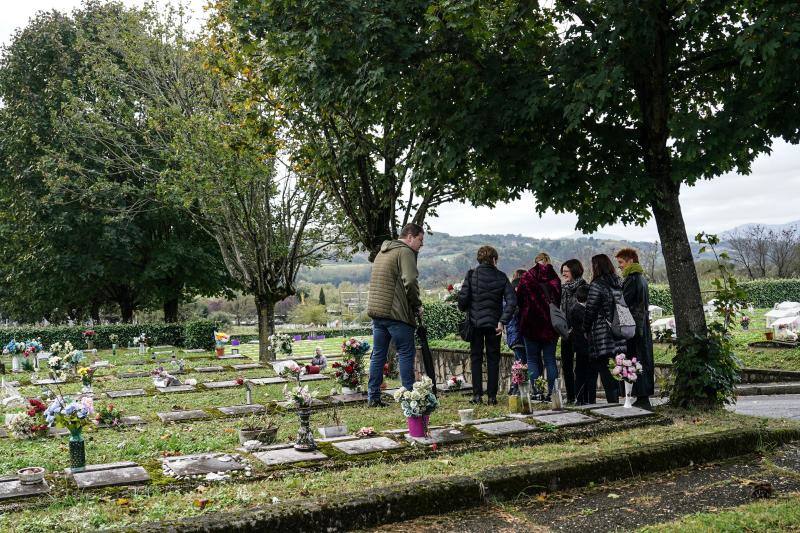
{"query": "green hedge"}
pixel 330 333
pixel 763 293
pixel 441 319
pixel 197 334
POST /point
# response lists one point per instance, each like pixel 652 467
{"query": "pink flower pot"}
pixel 417 425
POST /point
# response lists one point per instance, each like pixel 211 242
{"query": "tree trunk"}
pixel 684 286
pixel 171 310
pixel 266 327
pixel 126 310
pixel 95 312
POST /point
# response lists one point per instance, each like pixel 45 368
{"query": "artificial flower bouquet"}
pixel 108 415
pixel 31 423
pixel 355 348
pixel 419 401
pixel 292 372
pixel 86 373
pixel 299 396
pixel 455 382
pixel 348 373
pixel 519 373
pixel 73 415
pixel 624 369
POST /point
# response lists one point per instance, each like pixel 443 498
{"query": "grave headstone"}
pixel 370 445
pixel 235 410
pixel 247 366
pixel 565 419
pixel 13 488
pixel 127 421
pixel 507 427
pixel 194 350
pixel 232 356
pixel 220 384
pixel 591 406
pixel 268 381
pixel 440 436
pixel 129 393
pixel 482 421
pixel 203 463
pixel 215 368
pixel 288 455
pixel 620 412
pixel 182 416
pixel 177 388
pixel 115 474
pixel 128 375
pixel 48 381
pixel 313 377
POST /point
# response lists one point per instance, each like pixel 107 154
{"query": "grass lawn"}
pixel 780 514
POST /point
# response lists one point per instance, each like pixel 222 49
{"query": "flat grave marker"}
pixel 109 475
pixel 177 388
pixel 506 427
pixel 620 412
pixel 128 393
pixel 592 406
pixel 440 436
pixel 215 368
pixel 202 463
pixel 220 384
pixel 182 416
pixel 128 375
pixel 234 410
pixel 282 456
pixel 565 419
pixel 370 445
pixel 11 487
pixel 268 381
pixel 246 366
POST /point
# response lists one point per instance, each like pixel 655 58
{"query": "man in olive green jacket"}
pixel 393 305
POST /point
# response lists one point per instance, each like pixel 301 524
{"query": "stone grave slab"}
pixel 523 416
pixel 592 406
pixel 128 393
pixel 3 433
pixel 234 410
pixel 12 383
pixel 478 421
pixel 246 366
pixel 232 356
pixel 100 364
pixel 440 436
pixel 106 466
pixel 202 463
pixel 127 421
pixel 177 388
pixel 619 413
pixel 128 375
pixel 506 427
pixel 12 488
pixel 401 431
pixel 349 398
pixel 194 350
pixel 370 445
pixel 565 419
pixel 182 416
pixel 282 456
pixel 57 432
pixel 114 474
pixel 48 381
pixel 215 368
pixel 254 341
pixel 220 384
pixel 314 377
pixel 268 381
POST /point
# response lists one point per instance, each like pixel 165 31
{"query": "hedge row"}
pixel 763 293
pixel 441 319
pixel 194 334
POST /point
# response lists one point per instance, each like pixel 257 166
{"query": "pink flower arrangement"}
pixel 624 369
pixel 519 373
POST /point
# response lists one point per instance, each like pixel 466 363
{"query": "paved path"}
pixel 772 406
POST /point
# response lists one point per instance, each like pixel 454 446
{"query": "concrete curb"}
pixel 411 500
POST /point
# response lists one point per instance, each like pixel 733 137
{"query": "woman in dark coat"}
pixel 513 336
pixel 489 301
pixel 539 287
pixel 635 290
pixel 599 311
pixel 571 276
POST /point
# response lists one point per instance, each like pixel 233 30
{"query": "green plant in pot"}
pixel 260 427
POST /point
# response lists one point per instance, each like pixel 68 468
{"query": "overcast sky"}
pixel 769 195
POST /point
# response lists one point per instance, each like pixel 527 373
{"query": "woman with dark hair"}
pixel 572 278
pixel 538 288
pixel 489 301
pixel 599 312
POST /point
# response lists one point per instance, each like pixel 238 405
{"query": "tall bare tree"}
pixel 781 250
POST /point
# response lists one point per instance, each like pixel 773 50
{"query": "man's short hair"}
pixel 487 255
pixel 411 230
pixel 628 254
pixel 582 293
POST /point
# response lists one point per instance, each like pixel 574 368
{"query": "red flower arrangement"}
pixel 89 333
pixel 348 373
pixel 37 408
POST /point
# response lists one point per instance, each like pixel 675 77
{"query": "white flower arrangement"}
pixel 299 396
pixel 280 343
pixel 419 401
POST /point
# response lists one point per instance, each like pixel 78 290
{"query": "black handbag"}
pixel 465 328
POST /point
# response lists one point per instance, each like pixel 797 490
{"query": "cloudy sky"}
pixel 768 195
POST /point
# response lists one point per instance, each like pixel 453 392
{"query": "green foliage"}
pixel 765 293
pixel 173 334
pixel 322 296
pixel 309 314
pixel 660 296
pixel 706 370
pixel 441 319
pixel 199 334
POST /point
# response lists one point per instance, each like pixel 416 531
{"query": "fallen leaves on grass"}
pixel 201 503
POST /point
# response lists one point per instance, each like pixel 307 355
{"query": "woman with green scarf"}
pixel 635 291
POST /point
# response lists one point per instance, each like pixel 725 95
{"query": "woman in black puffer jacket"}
pixel 489 301
pixel 599 311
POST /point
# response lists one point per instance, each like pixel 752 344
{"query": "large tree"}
pixel 350 81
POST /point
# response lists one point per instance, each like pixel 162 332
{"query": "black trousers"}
pixel 568 367
pixel 610 385
pixel 583 376
pixel 485 339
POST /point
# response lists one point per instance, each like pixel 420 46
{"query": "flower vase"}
pixel 114 349
pixel 87 388
pixel 220 351
pixel 77 450
pixel 628 389
pixel 418 425
pixel 15 366
pixel 524 392
pixel 305 438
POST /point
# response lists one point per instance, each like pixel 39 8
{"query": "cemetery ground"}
pixel 156 496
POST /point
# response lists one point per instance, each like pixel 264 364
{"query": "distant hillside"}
pixel 775 227
pixel 444 258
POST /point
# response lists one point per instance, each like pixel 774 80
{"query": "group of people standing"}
pixel 523 306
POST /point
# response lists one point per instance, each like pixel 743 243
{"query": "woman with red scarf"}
pixel 538 288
